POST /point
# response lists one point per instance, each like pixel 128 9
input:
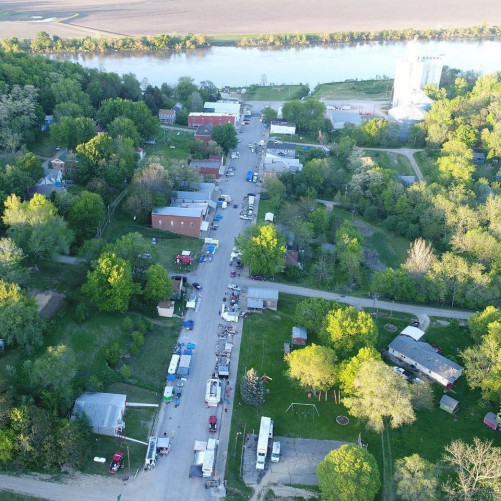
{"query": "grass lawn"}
pixel 379 90
pixel 264 207
pixel 427 163
pixel 171 144
pixel 262 349
pixel 393 161
pixel 273 93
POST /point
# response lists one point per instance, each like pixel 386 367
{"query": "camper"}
pixel 213 392
pixel 151 454
pixel 265 433
pixel 174 364
pixel 249 176
pixel 209 458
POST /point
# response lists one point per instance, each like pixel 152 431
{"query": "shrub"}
pixel 125 371
pixel 137 338
pixel 81 313
pixel 127 324
pixel 112 355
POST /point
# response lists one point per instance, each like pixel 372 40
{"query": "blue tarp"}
pixel 211 248
pixel 201 260
pixel 171 377
pixel 218 217
pixel 187 352
pixel 191 346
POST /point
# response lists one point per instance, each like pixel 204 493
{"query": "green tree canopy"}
pixel 11 257
pixel 478 323
pixel 86 212
pixel 312 367
pixel 312 312
pixel 348 369
pixel 36 227
pixel 225 136
pixel 159 285
pixel 347 330
pixel 71 131
pixel 263 249
pixel 348 473
pixel 379 393
pixel 252 388
pixel 415 479
pixel 109 285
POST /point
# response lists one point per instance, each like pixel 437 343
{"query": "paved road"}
pixel 359 302
pixel 407 152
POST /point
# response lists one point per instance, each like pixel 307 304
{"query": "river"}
pixel 237 66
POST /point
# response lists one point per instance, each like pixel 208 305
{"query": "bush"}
pixel 112 355
pixel 292 273
pixel 81 313
pixel 125 371
pixel 137 338
pixel 127 324
pixel 134 349
pixel 141 326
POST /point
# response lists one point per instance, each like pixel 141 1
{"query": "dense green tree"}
pixel 380 394
pixel 71 131
pixel 159 285
pixel 263 249
pixel 312 367
pixel 36 227
pixel 478 323
pixel 131 247
pixel 109 285
pixel 415 479
pixel 348 473
pixel 86 212
pixel 184 88
pixel 347 330
pixel 124 127
pixel 308 115
pixel 348 369
pixel 225 136
pixel 269 114
pixel 252 389
pixel 312 312
pixel 11 257
pixel 54 370
pixel 349 250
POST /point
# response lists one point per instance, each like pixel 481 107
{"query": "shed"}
pixel 449 404
pixel 299 336
pixel 492 421
pixel 48 303
pixel 104 410
pixel 165 309
pixel 268 297
pixel 269 216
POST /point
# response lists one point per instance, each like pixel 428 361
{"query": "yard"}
pixel 262 348
pixel 378 90
pixel 392 161
pixel 273 93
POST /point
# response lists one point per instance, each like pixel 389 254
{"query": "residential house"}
pixel 177 107
pixel 213 166
pixel 197 119
pixel 261 298
pixel 282 127
pixel 425 359
pixel 165 309
pixel 105 412
pixel 167 116
pixel 60 165
pixel 204 132
pixel 180 220
pixel 281 149
pixel 52 181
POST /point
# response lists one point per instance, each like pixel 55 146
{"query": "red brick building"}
pixel 196 119
pixel 204 133
pixel 213 166
pixel 180 220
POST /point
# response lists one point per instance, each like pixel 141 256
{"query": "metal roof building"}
pixel 260 298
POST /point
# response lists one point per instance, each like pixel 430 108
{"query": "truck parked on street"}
pixel 184 367
pixel 209 458
pixel 265 434
pixel 249 175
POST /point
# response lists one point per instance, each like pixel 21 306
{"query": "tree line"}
pixel 43 42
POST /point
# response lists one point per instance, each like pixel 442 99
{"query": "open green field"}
pixel 171 144
pixel 393 161
pixel 377 90
pixel 262 348
pixel 273 93
pixel 427 163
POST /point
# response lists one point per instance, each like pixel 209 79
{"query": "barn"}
pixel 299 336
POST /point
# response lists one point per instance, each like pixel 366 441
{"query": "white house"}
pixel 425 359
pixel 279 127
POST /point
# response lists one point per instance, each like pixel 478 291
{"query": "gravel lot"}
pixel 145 17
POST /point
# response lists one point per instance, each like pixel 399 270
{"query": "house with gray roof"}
pixel 105 412
pixel 425 359
pixel 260 298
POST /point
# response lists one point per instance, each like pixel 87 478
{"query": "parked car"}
pixel 188 324
pixel 233 274
pixel 259 278
pixel 402 372
pixel 275 452
pixel 234 287
pixel 197 286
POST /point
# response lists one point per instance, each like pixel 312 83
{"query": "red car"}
pixel 233 273
pixel 116 462
pixel 212 424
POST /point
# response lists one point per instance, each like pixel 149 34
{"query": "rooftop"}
pixel 261 293
pixel 178 211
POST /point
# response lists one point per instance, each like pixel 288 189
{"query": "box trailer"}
pixel 209 458
pixel 184 367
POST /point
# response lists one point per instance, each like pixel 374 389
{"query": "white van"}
pixel 275 453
